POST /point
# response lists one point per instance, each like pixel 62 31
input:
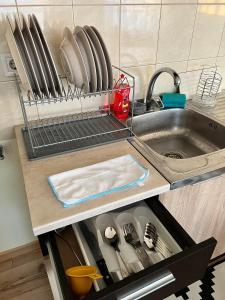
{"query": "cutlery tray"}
pixel 139 215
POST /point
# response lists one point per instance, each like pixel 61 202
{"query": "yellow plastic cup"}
pixel 81 279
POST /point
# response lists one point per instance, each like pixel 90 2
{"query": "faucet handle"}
pixel 158 101
pixel 156 104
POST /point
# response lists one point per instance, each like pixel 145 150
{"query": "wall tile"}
pixel 189 82
pixel 221 69
pixel 7 2
pixel 208 31
pixel 142 78
pixel 201 63
pixel 139 34
pixel 10 109
pixel 140 1
pixel 52 20
pixel 175 32
pixel 179 1
pixel 222 45
pixel 85 2
pixel 106 20
pixel 191 78
pixel 211 1
pixel 44 2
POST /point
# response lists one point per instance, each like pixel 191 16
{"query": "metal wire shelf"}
pixel 53 135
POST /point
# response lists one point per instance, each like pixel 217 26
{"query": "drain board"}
pixel 174 155
pixel 69 136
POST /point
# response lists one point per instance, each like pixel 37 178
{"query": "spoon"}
pixel 154 242
pixel 112 236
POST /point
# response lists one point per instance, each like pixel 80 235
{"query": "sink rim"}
pixel 190 170
pixel 179 110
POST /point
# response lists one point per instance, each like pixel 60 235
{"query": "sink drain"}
pixel 175 155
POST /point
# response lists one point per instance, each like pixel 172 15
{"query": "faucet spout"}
pixel 151 85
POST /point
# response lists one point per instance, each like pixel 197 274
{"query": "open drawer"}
pixel 154 282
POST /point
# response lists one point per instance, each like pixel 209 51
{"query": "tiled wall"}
pixel 141 35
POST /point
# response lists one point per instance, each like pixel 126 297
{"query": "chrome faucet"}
pixel 149 97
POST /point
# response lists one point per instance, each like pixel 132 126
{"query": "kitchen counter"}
pixel 48 214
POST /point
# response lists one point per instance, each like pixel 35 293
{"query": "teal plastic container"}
pixel 173 100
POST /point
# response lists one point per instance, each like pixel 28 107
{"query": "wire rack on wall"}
pixel 46 136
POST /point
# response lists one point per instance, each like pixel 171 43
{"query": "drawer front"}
pixel 158 281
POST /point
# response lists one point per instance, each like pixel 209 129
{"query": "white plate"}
pixel 101 56
pixel 21 69
pixel 26 59
pixel 42 57
pixel 34 57
pixel 97 64
pixel 107 57
pixel 87 55
pixel 73 62
pixel 67 67
pixel 49 57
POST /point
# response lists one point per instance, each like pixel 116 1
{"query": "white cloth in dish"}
pixel 83 184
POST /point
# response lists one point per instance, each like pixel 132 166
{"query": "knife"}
pixel 94 247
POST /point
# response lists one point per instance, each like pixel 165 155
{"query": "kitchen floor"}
pixel 23 275
pixel 211 287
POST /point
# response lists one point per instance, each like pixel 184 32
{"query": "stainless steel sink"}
pixel 184 145
pixel 179 133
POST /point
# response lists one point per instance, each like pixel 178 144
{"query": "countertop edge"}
pixel 100 210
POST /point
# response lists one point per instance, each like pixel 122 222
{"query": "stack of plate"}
pixel 85 59
pixel 33 58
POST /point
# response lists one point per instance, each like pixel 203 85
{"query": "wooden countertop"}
pixel 48 214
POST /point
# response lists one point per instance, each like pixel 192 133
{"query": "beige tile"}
pixel 140 1
pixel 211 1
pixel 221 69
pixel 194 68
pixel 201 63
pixel 165 82
pixel 44 2
pixel 139 34
pixel 179 1
pixel 142 77
pixel 208 31
pixel 10 109
pixel 189 82
pixel 4 49
pixel 106 20
pixel 86 2
pixel 7 2
pixel 175 33
pixel 222 45
pixel 52 20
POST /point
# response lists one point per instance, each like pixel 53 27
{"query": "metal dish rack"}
pixel 46 136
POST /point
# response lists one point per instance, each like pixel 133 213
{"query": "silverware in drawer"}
pixel 157 281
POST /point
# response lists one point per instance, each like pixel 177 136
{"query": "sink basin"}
pixel 179 133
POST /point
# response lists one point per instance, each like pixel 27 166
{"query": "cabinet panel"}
pixel 200 209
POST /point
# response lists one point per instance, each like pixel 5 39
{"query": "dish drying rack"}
pixel 46 136
pixel 208 87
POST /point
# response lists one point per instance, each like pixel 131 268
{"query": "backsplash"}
pixel 141 36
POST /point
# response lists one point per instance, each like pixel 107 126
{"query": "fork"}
pixel 131 237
